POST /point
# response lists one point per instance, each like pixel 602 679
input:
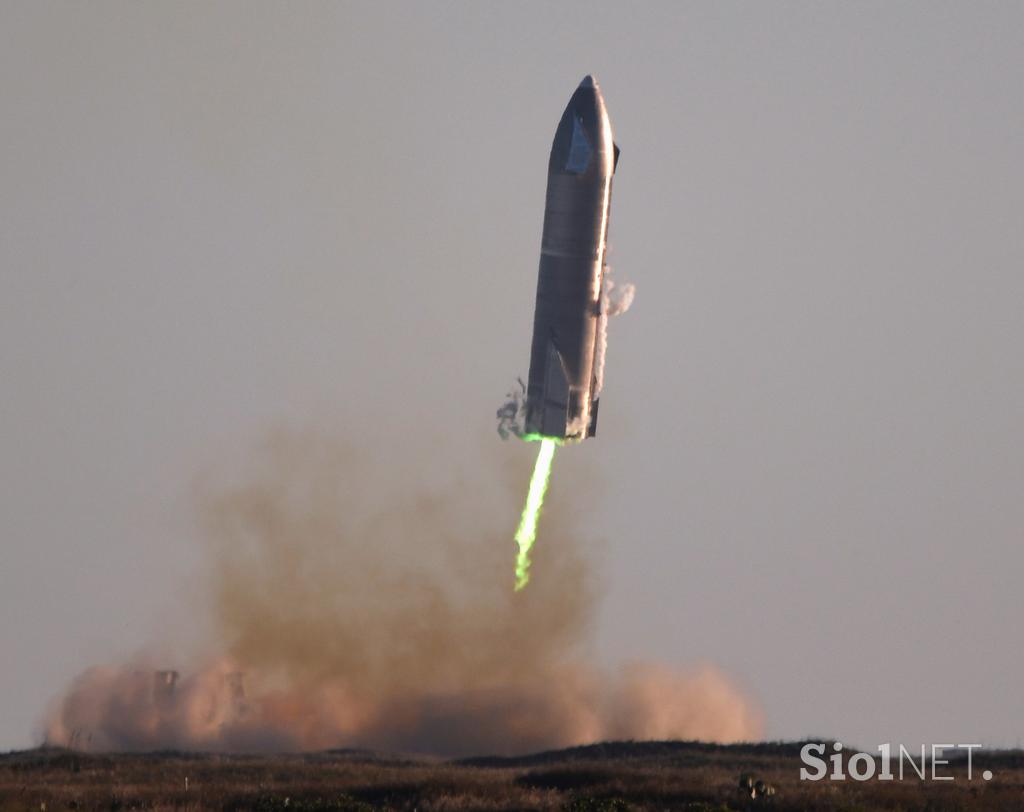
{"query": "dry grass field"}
pixel 611 776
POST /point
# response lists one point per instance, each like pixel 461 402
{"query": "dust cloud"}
pixel 347 613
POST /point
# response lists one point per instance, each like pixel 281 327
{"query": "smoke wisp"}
pixel 512 414
pixel 615 300
pixel 347 615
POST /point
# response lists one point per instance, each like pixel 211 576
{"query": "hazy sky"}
pixel 217 219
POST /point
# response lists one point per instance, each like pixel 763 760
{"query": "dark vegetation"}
pixel 608 777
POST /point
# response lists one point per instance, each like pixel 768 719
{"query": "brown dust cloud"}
pixel 347 615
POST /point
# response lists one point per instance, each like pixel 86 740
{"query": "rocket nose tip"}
pixel 588 82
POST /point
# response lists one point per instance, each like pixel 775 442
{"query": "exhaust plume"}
pixel 349 615
pixel 526 533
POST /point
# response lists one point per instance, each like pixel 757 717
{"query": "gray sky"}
pixel 221 218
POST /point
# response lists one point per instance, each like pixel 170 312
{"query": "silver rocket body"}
pixel 562 396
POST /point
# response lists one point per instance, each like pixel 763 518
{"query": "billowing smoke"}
pixel 618 298
pixel 347 614
pixel 615 299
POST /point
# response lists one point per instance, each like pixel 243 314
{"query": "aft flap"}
pixel 592 428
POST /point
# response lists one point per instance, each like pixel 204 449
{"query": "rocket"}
pixel 566 356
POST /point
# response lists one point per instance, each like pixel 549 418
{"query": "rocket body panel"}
pixel 561 396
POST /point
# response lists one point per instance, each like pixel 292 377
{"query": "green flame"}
pixel 527 532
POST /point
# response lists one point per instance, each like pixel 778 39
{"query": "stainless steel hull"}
pixel 561 399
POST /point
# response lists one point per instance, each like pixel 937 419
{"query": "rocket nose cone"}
pixel 588 82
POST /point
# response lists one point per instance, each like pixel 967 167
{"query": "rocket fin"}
pixel 615 156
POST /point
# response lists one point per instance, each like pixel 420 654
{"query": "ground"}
pixel 609 776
